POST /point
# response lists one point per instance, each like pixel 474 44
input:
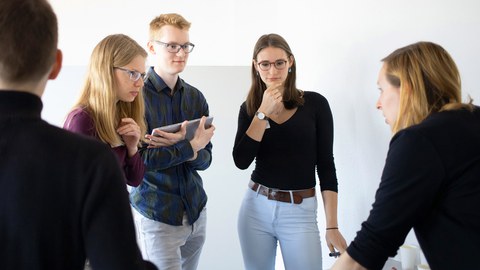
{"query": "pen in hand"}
pixel 334 254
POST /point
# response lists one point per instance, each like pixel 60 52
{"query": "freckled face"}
pixel 167 63
pixel 389 99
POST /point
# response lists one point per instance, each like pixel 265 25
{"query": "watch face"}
pixel 260 115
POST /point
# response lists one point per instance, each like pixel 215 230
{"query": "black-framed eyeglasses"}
pixel 279 64
pixel 175 48
pixel 134 75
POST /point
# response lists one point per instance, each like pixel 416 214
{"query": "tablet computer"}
pixel 191 127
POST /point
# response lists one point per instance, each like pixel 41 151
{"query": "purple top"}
pixel 80 121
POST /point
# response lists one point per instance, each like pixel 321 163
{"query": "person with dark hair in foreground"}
pixel 63 196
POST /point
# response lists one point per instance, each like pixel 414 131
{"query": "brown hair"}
pixel 29 36
pixel 292 97
pixel 428 79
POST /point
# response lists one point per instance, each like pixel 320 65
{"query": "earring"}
pixel 289 70
pixel 258 73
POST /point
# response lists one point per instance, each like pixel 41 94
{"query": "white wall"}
pixel 338 46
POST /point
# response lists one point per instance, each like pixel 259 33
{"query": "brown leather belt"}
pixel 282 195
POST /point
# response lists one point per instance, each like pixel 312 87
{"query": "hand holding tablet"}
pixel 192 126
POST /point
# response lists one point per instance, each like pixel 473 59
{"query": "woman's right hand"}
pixel 129 130
pixel 272 101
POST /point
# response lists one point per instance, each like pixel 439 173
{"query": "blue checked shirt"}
pixel 171 185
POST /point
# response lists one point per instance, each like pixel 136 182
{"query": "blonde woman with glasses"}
pixel 111 106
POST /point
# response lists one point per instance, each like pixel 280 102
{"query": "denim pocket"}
pixel 308 204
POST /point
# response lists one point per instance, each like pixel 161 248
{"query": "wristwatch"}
pixel 261 116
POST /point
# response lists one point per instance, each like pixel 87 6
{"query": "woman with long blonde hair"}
pixel 111 107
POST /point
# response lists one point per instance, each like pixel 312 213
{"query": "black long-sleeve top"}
pixel 63 196
pixel 289 153
pixel 431 182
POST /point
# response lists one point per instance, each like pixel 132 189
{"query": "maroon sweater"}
pixel 80 121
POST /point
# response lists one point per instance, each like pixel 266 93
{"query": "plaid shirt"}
pixel 172 185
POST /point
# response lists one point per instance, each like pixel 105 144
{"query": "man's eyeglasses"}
pixel 134 75
pixel 279 64
pixel 175 48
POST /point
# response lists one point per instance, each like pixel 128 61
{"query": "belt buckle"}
pixel 271 193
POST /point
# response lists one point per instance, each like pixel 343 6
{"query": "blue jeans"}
pixel 171 247
pixel 263 222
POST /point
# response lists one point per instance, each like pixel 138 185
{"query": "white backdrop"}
pixel 338 46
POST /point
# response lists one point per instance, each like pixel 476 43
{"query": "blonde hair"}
pixel 173 19
pixel 428 79
pixel 99 97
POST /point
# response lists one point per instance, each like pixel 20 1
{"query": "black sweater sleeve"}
pixel 412 176
pixel 245 148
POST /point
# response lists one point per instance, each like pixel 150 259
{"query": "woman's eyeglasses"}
pixel 134 75
pixel 279 64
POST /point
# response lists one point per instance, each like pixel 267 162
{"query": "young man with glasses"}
pixel 169 205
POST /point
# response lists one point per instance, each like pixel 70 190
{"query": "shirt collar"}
pixel 19 104
pixel 160 84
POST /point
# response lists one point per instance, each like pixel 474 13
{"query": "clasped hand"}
pixel 272 101
pixel 130 132
pixel 336 241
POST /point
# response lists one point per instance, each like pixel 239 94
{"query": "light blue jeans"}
pixel 263 222
pixel 171 247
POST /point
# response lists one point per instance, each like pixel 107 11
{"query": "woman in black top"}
pixel 431 179
pixel 290 134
